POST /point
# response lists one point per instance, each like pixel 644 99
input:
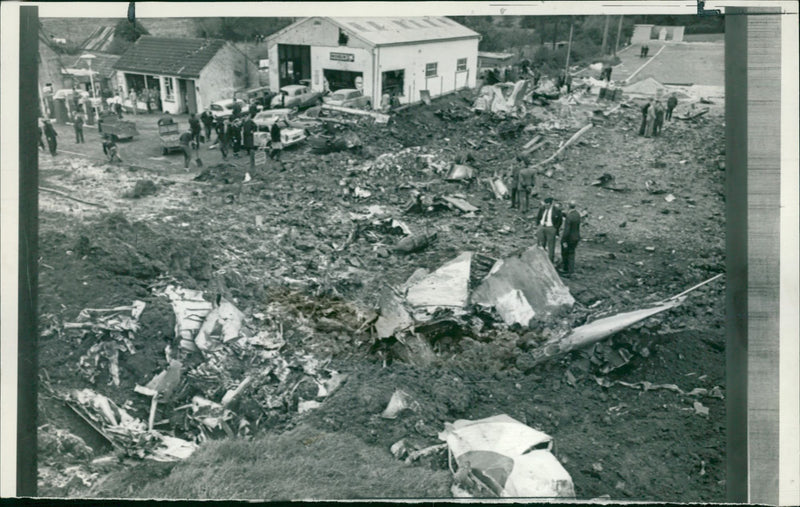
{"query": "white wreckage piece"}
pixel 124 431
pixel 201 324
pixel 499 456
pixel 524 286
pixel 501 97
pixel 120 324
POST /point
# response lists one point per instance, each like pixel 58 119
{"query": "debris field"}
pixel 382 286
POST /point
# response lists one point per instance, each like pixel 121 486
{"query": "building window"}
pixel 169 91
pixel 461 65
pixel 430 69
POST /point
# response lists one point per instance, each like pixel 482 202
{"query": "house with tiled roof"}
pixel 188 74
pixel 407 57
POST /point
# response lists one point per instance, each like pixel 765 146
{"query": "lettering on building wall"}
pixel 343 57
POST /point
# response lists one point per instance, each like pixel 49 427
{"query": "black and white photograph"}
pixel 419 256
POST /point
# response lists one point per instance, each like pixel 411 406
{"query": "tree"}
pixel 125 34
pixel 125 30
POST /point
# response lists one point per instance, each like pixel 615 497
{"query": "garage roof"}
pixel 170 56
pixel 391 31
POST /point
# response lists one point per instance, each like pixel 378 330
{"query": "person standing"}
pixel 672 103
pixel 188 145
pixel 236 136
pixel 118 105
pixel 549 220
pixel 275 144
pixel 134 101
pixel 659 120
pixel 77 123
pixel 146 97
pixel 224 137
pixel 570 239
pixel 194 127
pixel 50 134
pixel 41 141
pixel 645 108
pixel 523 180
pixel 208 121
pixel 248 131
pixel 651 119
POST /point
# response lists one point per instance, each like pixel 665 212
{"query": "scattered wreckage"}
pixel 501 457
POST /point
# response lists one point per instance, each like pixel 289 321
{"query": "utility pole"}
pixel 605 36
pixel 555 33
pixel 569 48
pixel 619 32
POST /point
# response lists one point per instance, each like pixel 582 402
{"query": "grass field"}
pixel 300 464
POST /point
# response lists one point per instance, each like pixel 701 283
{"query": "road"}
pixel 706 64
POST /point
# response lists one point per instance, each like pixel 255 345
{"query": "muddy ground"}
pixel 287 238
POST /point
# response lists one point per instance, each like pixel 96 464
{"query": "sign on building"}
pixel 343 57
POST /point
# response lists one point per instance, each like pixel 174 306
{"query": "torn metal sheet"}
pixel 124 431
pixel 507 458
pixel 447 287
pixel 460 204
pixel 533 275
pixel 399 402
pixel 221 325
pixel 514 308
pixel 605 327
pixel 190 310
pixel 393 317
pixel 460 172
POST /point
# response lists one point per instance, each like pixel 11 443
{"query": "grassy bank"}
pixel 303 463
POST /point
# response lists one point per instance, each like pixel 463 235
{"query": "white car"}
pixel 224 108
pixel 265 121
pixel 348 97
pixel 296 96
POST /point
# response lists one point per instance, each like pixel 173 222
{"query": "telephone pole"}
pixel 569 48
pixel 605 36
pixel 619 32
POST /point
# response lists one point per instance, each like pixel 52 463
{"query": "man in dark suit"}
pixel 548 219
pixel 570 239
pixel 248 131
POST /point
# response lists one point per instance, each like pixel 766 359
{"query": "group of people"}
pixel 644 50
pixel 236 133
pixel 654 114
pixel 150 96
pixel 549 218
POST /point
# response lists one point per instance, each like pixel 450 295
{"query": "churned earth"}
pixel 309 239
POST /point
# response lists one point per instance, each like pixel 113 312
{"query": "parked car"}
pixel 291 132
pixel 265 119
pixel 296 96
pixel 224 108
pixel 261 96
pixel 289 136
pixel 348 97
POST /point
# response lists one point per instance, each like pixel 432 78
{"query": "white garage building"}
pixel 402 56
